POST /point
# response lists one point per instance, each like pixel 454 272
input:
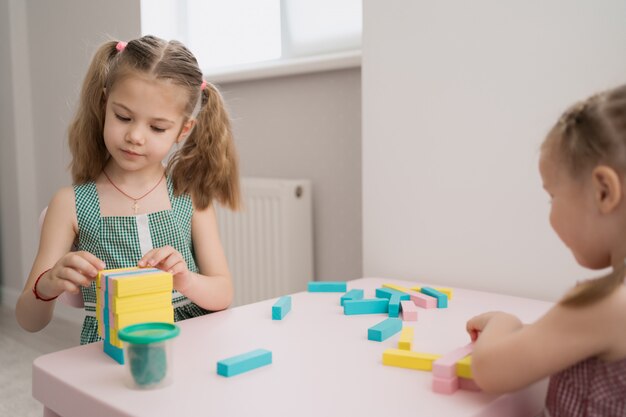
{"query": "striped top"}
pixel 121 241
pixel 591 388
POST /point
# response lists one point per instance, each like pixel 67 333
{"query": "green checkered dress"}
pixel 117 240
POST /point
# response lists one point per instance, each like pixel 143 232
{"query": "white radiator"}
pixel 269 244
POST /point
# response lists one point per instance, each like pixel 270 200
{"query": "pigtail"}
pixel 85 137
pixel 588 292
pixel 207 166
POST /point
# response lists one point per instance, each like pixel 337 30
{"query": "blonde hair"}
pixel 205 166
pixel 590 133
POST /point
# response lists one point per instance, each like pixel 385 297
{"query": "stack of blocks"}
pixel 130 296
pixel 453 371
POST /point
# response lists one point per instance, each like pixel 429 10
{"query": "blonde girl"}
pixel 581 342
pixel 140 102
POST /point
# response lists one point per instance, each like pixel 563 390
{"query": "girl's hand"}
pixel 72 271
pixel 170 260
pixel 477 324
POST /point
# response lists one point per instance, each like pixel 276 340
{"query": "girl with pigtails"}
pixel 141 102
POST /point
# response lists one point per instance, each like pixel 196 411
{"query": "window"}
pixel 227 33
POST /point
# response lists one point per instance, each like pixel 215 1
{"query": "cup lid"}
pixel 144 333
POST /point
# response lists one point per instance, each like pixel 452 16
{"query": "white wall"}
pixel 457 97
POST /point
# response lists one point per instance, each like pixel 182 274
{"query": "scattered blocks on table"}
pixel 442 299
pixel 389 292
pixel 443 385
pixel 244 362
pixel 422 300
pixel 409 310
pixel 327 286
pixel 464 367
pixel 396 287
pixel 394 306
pixel 384 330
pixel 366 306
pixel 406 338
pixel 281 307
pixel 356 294
pixel 445 367
pixel 409 359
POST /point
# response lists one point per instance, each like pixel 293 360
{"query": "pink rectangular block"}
pixel 409 310
pixel 445 366
pixel 445 385
pixel 468 384
pixel 422 300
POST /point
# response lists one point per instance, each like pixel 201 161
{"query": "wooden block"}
pixel 356 294
pixel 281 307
pixel 442 299
pixel 409 310
pixel 396 287
pixel 389 292
pixel 409 359
pixel 445 290
pixel 384 330
pixel 445 385
pixel 327 286
pixel 394 306
pixel 423 300
pixel 406 338
pixel 366 306
pixel 244 362
pixel 445 367
pixel 464 367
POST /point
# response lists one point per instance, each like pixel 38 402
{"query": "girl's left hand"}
pixel 170 260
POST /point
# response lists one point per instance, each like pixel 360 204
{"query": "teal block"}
pixel 281 307
pixel 394 306
pixel 327 286
pixel 442 299
pixel 388 292
pixel 352 295
pixel 244 362
pixel 384 330
pixel 113 351
pixel 367 306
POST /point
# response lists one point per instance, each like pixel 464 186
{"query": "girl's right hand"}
pixel 72 271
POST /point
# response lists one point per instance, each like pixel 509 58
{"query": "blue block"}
pixel 327 286
pixel 384 330
pixel 244 362
pixel 352 295
pixel 388 292
pixel 394 306
pixel 368 306
pixel 113 351
pixel 442 299
pixel 281 307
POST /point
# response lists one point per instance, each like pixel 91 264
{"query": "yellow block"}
pixel 446 291
pixel 406 338
pixel 396 287
pixel 128 286
pixel 464 367
pixel 120 305
pixel 408 359
pixel 120 321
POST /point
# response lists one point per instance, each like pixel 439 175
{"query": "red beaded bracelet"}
pixel 37 296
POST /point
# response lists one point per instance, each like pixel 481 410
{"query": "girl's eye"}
pixel 122 118
pixel 158 129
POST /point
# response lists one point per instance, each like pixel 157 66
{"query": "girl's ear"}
pixel 186 130
pixel 607 187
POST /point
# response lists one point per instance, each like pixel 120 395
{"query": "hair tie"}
pixel 203 85
pixel 120 46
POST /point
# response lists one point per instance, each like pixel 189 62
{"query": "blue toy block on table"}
pixel 442 299
pixel 281 307
pixel 394 306
pixel 389 292
pixel 244 362
pixel 327 286
pixel 355 294
pixel 367 306
pixel 384 330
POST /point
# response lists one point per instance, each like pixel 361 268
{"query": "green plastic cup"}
pixel 148 354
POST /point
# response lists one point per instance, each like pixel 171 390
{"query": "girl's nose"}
pixel 135 135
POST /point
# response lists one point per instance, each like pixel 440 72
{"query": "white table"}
pixel 323 365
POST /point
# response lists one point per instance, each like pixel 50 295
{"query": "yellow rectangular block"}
pixel 408 359
pixel 416 288
pixel 396 287
pixel 464 367
pixel 100 295
pixel 122 320
pixel 446 291
pixel 121 305
pixel 406 338
pixel 128 286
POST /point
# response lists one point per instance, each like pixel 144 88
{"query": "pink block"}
pixel 468 384
pixel 445 366
pixel 445 385
pixel 423 300
pixel 409 310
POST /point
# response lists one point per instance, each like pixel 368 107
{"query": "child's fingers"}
pixel 173 262
pixel 84 262
pixel 156 256
pixel 74 276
